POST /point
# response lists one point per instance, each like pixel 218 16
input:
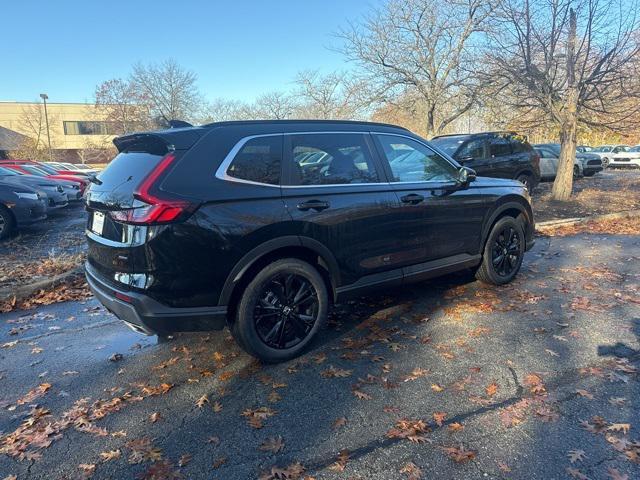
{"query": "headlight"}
pixel 27 195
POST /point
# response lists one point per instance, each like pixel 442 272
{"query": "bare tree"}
pixel 275 106
pixel 32 123
pixel 222 110
pixel 570 63
pixel 424 47
pixel 338 95
pixel 168 89
pixel 118 100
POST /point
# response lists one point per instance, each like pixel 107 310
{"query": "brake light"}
pixel 156 209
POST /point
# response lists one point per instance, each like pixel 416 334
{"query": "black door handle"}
pixel 412 198
pixel 313 205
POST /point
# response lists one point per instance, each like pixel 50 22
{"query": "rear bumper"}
pixel 148 316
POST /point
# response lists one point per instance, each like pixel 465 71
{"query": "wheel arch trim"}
pixel 270 246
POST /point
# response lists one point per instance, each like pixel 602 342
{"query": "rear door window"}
pixel 331 159
pixel 258 161
pixel 499 145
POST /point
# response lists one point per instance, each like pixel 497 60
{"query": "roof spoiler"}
pixel 179 124
pixel 159 142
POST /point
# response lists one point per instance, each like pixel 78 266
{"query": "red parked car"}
pixel 36 168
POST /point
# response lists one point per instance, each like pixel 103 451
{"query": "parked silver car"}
pixel 584 164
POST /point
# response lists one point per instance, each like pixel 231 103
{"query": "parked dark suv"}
pixel 494 154
pixel 261 225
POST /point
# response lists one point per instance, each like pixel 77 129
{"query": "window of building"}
pixel 259 160
pixel 85 127
pixel 411 161
pixel 331 159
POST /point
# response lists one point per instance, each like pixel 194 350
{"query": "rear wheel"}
pixel 503 252
pixel 281 310
pixel 7 223
pixel 576 171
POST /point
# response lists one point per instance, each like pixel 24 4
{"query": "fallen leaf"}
pixel 217 407
pixel 455 427
pixel 340 422
pixel 116 357
pixel 492 389
pixel 459 454
pixel 412 471
pixel 437 388
pixel 619 427
pixel 110 455
pixel 614 474
pixel 273 445
pixel 585 394
pixel 184 460
pixel 439 417
pixel 576 456
pixel 154 417
pixel 202 401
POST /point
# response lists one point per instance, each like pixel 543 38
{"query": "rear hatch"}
pixel 126 203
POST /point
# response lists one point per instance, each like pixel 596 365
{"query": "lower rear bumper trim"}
pixel 148 316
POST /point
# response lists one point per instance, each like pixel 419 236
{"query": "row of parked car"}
pixel 30 190
pixel 615 156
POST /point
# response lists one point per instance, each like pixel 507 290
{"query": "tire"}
pixel 7 222
pixel 576 171
pixel 526 180
pixel 489 271
pixel 589 174
pixel 281 310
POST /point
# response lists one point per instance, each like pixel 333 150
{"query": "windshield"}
pixel 7 171
pixel 34 170
pixel 46 168
pixel 634 149
pixel 603 148
pixel 449 145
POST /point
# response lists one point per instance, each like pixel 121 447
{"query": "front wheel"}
pixel 281 310
pixel 7 224
pixel 503 252
pixel 526 180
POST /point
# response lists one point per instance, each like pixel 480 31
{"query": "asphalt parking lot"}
pixel 534 380
pixel 486 382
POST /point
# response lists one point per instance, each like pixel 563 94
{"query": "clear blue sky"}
pixel 238 48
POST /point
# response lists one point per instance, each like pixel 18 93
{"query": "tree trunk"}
pixel 431 122
pixel 563 185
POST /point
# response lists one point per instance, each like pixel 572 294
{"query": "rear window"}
pixel 121 177
pixel 259 160
pixel 449 145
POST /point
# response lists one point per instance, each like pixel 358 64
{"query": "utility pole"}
pixel 44 98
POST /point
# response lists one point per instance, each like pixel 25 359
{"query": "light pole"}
pixel 44 98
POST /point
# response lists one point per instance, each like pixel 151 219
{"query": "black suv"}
pixel 260 225
pixel 494 154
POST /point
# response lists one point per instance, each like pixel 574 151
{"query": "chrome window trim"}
pixel 221 172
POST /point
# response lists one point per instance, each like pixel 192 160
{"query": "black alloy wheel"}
pixel 286 310
pixel 281 310
pixel 505 252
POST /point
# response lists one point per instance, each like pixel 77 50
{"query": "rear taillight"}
pixel 157 208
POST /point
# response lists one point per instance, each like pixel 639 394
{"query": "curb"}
pixel 572 221
pixel 25 291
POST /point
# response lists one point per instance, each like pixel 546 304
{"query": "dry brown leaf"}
pixel 491 389
pixel 576 455
pixel 155 416
pixel 110 455
pixel 412 471
pixel 340 422
pixel 459 454
pixel 439 417
pixel 273 445
pixel 202 401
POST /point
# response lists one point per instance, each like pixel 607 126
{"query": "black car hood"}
pixel 485 182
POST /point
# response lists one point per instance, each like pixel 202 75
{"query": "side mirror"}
pixel 466 175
